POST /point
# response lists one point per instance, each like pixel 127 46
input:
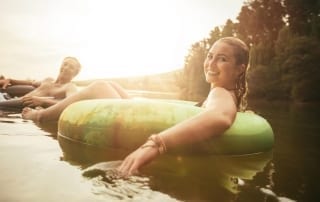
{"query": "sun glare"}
pixel 133 39
pixel 111 38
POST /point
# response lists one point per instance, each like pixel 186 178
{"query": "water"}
pixel 35 166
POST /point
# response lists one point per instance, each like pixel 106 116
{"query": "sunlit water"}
pixel 35 166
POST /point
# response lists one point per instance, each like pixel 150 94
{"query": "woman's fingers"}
pixel 137 159
pixel 126 166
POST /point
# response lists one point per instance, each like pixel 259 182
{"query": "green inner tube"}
pixel 18 90
pixel 11 105
pixel 126 124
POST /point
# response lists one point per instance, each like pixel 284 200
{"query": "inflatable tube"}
pixel 18 90
pixel 126 124
pixel 14 103
pixel 11 105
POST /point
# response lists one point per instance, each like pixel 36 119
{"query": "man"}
pixel 47 92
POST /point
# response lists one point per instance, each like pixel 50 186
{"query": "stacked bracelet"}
pixel 157 142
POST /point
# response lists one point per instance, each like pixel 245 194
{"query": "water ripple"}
pixel 107 182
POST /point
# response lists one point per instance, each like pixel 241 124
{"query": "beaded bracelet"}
pixel 157 142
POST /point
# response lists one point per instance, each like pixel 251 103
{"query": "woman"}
pixel 225 69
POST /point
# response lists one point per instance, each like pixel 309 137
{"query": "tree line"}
pixel 284 41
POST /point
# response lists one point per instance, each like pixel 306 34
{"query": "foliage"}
pixel 304 17
pixel 299 64
pixel 264 82
pixel 283 36
pixel 260 20
pixel 194 85
pixel 229 29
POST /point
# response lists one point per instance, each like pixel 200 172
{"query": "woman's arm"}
pixel 219 115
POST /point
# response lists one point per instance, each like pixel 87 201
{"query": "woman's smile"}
pixel 212 73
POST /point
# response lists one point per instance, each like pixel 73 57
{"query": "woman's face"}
pixel 220 66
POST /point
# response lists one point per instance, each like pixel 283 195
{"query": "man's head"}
pixel 70 68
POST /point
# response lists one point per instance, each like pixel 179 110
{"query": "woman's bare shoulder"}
pixel 220 97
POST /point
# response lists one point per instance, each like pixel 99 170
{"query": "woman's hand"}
pixel 134 161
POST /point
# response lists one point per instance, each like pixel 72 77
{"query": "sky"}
pixel 111 38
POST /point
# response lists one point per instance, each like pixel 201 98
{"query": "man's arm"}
pixel 10 82
pixel 34 101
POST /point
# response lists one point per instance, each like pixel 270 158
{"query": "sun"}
pixel 135 40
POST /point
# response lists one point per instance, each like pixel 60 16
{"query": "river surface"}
pixel 35 166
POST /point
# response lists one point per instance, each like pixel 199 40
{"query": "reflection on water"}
pixel 107 181
pixel 199 178
pixel 296 151
pixel 36 167
pixel 213 176
pixel 219 177
pixel 12 124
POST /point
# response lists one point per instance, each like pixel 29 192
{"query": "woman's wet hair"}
pixel 241 53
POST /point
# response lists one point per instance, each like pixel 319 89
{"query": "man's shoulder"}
pixel 48 79
pixel 70 85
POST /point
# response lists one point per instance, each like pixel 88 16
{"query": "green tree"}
pixel 260 20
pixel 192 80
pixel 261 54
pixel 264 82
pixel 228 29
pixel 284 49
pixel 298 60
pixel 304 16
pixel 259 24
pixel 214 35
pixel 194 86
